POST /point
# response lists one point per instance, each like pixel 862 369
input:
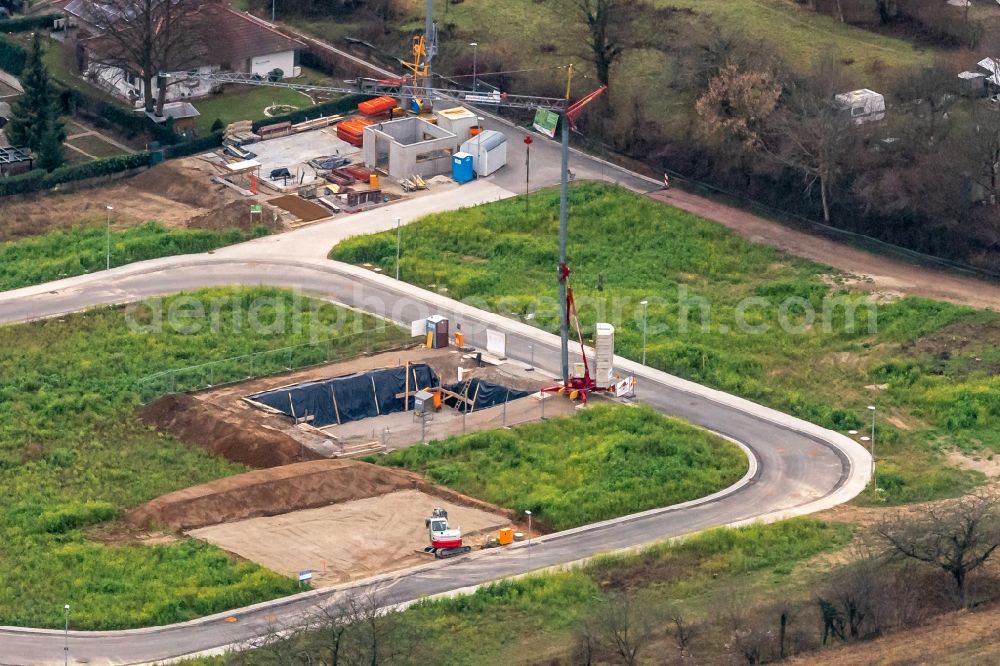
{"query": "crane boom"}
pixel 394 87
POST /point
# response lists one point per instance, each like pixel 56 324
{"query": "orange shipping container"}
pixel 352 131
pixel 373 107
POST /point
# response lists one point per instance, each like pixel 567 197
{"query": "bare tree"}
pixel 602 17
pixel 958 537
pixel 623 625
pixel 148 38
pixel 737 105
pixel 683 632
pixel 810 133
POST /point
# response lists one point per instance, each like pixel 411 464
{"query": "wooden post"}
pixel 406 391
pixel 336 407
pixel 375 395
pixel 476 396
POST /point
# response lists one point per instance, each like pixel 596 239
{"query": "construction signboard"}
pixel 546 122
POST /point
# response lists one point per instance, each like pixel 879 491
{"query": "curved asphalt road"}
pixel 799 467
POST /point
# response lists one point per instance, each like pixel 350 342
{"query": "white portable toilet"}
pixel 488 150
pixel 604 348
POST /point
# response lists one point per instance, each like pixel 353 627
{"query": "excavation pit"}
pixel 225 422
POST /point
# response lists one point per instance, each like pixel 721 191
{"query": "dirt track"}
pixel 882 274
pixel 346 541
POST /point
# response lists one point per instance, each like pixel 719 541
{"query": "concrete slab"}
pixel 294 152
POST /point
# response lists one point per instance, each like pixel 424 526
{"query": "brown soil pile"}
pixel 270 492
pixel 234 215
pixel 197 423
pixel 187 181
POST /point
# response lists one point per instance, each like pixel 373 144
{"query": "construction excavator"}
pixel 445 541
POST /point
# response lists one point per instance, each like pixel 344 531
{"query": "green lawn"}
pixel 244 103
pixel 930 367
pixel 73 454
pixel 96 146
pixel 606 462
pixel 84 249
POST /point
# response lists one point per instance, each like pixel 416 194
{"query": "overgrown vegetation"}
pixel 605 462
pixel 73 455
pixel 930 367
pixel 59 254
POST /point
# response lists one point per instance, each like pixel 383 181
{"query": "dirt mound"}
pixel 195 422
pixel 186 181
pixel 270 492
pixel 234 215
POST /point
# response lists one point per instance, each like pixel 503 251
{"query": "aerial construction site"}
pixel 312 505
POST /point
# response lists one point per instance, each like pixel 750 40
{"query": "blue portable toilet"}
pixel 461 168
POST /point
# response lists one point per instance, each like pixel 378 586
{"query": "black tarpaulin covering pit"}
pixel 349 397
pixel 484 393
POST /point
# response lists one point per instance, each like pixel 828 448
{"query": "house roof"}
pixel 232 37
pixel 238 36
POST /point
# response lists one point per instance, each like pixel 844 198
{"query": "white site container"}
pixel 862 106
pixel 488 150
pixel 604 348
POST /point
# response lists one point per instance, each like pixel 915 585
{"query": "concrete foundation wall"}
pixel 406 143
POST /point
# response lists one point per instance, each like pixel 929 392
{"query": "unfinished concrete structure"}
pixel 408 147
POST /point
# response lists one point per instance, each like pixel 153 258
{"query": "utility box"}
pixel 489 151
pixel 437 332
pixel 604 347
pixel 461 168
pixel 423 402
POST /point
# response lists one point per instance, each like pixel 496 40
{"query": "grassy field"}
pixel 930 367
pixel 73 455
pixel 247 103
pixel 59 254
pixel 606 462
pixel 535 619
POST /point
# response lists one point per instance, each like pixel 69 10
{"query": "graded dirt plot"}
pixel 346 541
pixel 306 211
pixel 178 193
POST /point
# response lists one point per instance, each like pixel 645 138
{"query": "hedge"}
pixel 213 140
pixel 12 58
pixel 27 23
pixel 133 123
pixel 342 105
pixel 37 180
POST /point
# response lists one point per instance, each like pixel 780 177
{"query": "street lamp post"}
pixel 528 513
pixel 644 303
pixel 475 53
pixel 66 636
pixel 871 408
pixel 398 227
pixel 110 208
pixel 273 2
pixel 527 169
